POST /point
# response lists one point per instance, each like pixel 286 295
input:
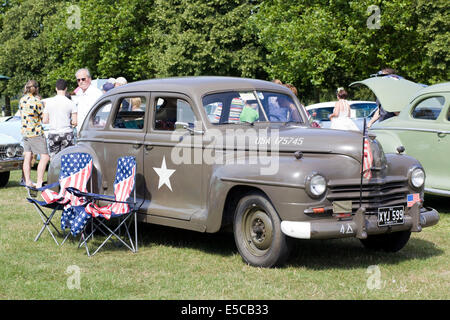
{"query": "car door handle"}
pixel 136 146
pixel 148 148
pixel 442 134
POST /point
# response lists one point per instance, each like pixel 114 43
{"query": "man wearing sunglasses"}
pixel 86 96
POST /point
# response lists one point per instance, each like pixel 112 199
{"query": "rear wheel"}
pixel 4 178
pixel 257 232
pixel 390 242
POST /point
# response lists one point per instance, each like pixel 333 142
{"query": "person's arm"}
pixel 74 119
pixel 45 116
pixel 375 117
pixel 335 111
pixel 295 114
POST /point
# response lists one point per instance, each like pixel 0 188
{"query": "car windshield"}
pixel 361 110
pixel 249 107
pixel 357 110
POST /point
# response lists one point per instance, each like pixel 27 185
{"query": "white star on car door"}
pixel 164 175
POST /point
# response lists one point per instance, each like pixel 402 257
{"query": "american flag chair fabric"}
pixel 119 207
pixel 76 170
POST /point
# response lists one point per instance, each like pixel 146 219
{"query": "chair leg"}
pixel 47 221
pixel 114 232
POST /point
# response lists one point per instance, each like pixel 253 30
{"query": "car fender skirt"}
pixel 357 227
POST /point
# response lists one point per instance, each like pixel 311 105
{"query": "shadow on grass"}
pixel 440 203
pixel 349 253
pixel 312 254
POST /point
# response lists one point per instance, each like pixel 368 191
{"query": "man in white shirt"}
pixel 61 115
pixel 86 97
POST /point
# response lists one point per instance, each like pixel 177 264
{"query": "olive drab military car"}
pixel 216 152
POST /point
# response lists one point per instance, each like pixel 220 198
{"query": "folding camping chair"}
pixel 118 209
pixel 76 169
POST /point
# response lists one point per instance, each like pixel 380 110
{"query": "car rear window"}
pixel 429 108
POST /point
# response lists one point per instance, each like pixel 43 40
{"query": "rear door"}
pixel 124 136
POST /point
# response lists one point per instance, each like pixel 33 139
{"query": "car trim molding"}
pixel 267 183
pixel 413 129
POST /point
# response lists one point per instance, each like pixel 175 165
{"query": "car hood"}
pixel 393 93
pixel 5 139
pixel 294 138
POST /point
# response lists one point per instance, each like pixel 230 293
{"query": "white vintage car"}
pixel 358 111
pixel 11 157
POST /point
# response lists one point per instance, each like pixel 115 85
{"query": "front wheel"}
pixel 390 242
pixel 4 178
pixel 257 232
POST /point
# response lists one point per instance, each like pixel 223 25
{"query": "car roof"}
pixel 331 104
pixel 440 87
pixel 199 85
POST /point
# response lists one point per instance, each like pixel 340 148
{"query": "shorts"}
pixel 59 141
pixel 36 145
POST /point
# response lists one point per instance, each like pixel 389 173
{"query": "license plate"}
pixel 390 216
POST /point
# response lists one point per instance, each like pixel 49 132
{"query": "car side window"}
pixel 131 113
pixel 101 116
pixel 428 109
pixel 169 110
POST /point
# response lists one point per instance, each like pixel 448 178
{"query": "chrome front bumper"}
pixel 359 226
pixel 10 164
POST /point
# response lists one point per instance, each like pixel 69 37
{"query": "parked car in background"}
pixel 11 127
pixel 11 157
pixel 359 110
pixel 210 157
pixel 422 126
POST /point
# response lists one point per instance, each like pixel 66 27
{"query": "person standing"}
pixel 382 114
pixel 31 110
pixel 340 118
pixel 86 96
pixel 61 115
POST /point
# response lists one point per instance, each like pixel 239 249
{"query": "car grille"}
pixel 3 152
pixel 374 195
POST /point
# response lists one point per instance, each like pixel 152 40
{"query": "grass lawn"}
pixel 178 264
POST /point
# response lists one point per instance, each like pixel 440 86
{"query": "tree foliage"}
pixel 315 45
pixel 330 43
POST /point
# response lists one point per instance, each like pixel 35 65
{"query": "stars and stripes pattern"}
pixel 368 159
pixel 123 185
pixel 411 199
pixel 76 169
pixel 367 154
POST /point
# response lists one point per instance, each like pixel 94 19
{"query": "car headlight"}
pixel 417 178
pixel 316 185
pixel 19 151
pixel 10 151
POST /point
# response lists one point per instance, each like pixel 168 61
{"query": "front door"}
pixel 428 139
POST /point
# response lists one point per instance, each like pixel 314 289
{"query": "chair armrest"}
pixel 90 196
pixel 47 186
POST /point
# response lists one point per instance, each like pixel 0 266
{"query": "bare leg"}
pixel 27 168
pixel 41 169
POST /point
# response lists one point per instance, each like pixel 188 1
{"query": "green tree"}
pixel 319 45
pixel 186 37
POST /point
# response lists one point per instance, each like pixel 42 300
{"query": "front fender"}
pixel 55 166
pixel 389 140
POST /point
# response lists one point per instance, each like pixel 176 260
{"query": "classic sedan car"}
pixel 422 126
pixel 271 180
pixel 11 157
pixel 358 111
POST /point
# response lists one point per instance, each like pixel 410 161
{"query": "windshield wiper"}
pixel 291 122
pixel 244 122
